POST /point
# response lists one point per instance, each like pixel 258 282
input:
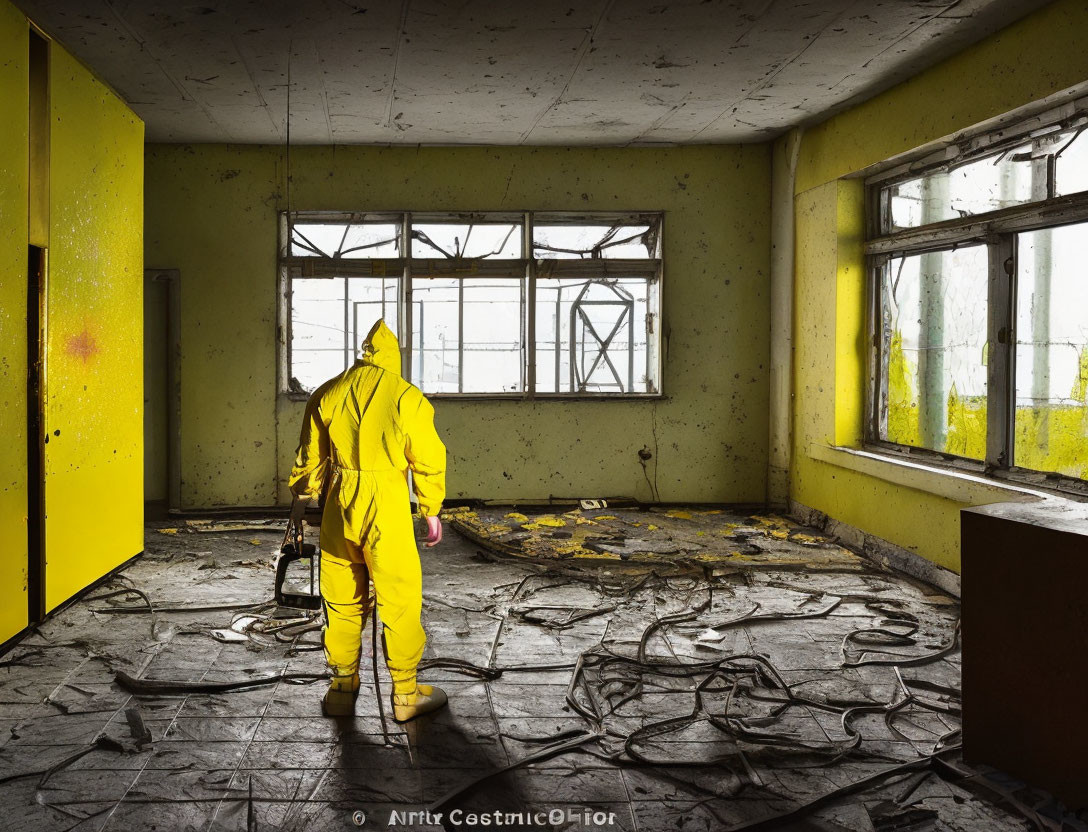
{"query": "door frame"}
pixel 172 279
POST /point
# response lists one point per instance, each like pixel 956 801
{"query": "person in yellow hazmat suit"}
pixel 365 430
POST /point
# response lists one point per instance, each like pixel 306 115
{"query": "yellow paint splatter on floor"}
pixel 545 521
pixel 679 534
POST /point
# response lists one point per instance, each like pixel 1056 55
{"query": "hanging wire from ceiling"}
pixel 287 131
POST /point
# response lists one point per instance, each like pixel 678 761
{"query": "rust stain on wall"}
pixel 83 346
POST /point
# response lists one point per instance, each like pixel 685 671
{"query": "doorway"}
pixel 162 482
pixel 36 271
pixel 35 446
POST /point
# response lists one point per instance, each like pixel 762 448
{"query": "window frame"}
pixel 997 230
pixel 526 269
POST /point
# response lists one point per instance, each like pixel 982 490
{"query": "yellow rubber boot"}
pixel 341 695
pixel 426 699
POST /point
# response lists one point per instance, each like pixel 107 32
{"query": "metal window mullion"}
pixel 630 347
pixel 404 296
pixel 347 325
pixel 286 330
pixel 659 331
pixel 528 305
pixel 558 337
pixel 874 417
pixel 1001 338
pixel 1061 210
pixel 355 316
pixel 460 335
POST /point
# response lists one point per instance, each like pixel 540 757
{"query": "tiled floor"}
pixel 265 758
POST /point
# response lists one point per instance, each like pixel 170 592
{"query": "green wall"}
pixel 1036 58
pixel 211 212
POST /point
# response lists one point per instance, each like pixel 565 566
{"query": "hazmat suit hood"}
pixel 381 348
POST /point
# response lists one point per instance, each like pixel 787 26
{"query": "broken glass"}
pixel 1056 163
pixel 1071 174
pixel 622 240
pixel 467 240
pixel 357 240
pixel 469 316
pixel 1051 426
pixel 934 351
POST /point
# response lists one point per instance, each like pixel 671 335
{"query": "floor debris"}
pixel 708 671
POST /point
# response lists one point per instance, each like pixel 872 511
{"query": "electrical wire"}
pixel 743 697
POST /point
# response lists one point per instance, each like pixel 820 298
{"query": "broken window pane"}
pixel 622 240
pixel 467 335
pixel 456 240
pixel 469 317
pixel 1071 167
pixel 362 239
pixel 329 319
pixel 1052 352
pixel 1012 177
pixel 974 188
pixel 934 351
pixel 595 335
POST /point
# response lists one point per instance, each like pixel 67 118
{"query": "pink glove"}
pixel 434 532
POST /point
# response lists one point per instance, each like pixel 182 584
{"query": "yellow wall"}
pixel 94 364
pixel 211 212
pixel 14 155
pixel 93 373
pixel 1033 59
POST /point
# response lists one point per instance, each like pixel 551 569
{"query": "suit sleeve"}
pixel 424 450
pixel 312 455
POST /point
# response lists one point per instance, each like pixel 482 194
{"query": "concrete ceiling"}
pixel 539 72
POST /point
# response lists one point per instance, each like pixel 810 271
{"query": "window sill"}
pixel 1009 502
pixel 517 397
pixel 959 486
pixel 543 397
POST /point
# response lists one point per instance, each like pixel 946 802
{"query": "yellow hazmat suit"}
pixel 366 429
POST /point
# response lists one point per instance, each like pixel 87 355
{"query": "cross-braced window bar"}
pixel 511 304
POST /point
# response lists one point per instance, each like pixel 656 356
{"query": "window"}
pixel 508 304
pixel 980 305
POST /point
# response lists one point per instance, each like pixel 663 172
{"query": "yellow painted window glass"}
pixel 1052 352
pixel 934 367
